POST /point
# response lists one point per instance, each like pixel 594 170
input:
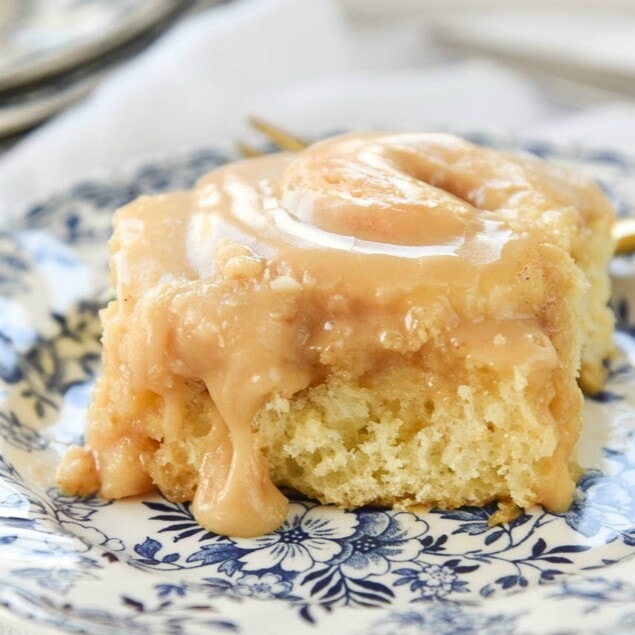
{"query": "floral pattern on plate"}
pixel 142 565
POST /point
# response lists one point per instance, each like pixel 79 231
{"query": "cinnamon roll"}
pixel 391 319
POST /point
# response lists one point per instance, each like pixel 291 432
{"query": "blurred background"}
pixel 88 86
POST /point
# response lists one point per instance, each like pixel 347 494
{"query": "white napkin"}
pixel 299 64
pixel 470 95
pixel 608 126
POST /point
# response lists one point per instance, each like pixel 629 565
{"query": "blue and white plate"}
pixel 143 565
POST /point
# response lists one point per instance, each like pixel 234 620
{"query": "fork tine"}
pixel 281 138
pixel 247 150
pixel 624 235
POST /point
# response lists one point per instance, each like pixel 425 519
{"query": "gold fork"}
pixel 623 230
pixel 280 138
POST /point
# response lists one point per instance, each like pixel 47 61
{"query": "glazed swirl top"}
pixel 433 192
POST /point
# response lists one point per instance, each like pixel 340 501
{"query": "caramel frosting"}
pixel 276 271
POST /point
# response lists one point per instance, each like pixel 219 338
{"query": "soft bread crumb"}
pixel 506 512
pixel 285 284
pixel 243 267
pixel 500 340
pixel 238 261
pixel 396 441
pixel 77 474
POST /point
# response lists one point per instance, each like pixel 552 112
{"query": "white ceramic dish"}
pixel 74 47
pixel 16 117
pixel 145 566
pixel 39 37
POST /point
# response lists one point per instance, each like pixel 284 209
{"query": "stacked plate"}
pixel 52 52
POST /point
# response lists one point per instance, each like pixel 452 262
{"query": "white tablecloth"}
pixel 303 65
